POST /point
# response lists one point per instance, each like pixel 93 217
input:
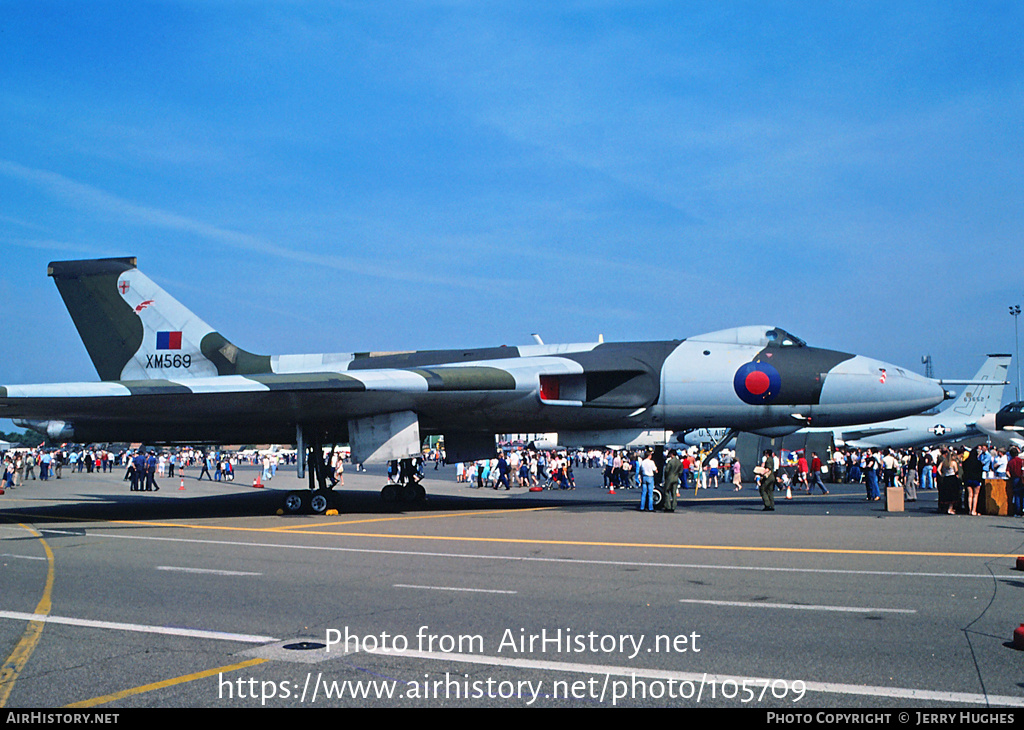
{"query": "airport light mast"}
pixel 1015 313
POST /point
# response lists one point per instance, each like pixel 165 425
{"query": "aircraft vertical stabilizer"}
pixel 134 330
pixel 976 400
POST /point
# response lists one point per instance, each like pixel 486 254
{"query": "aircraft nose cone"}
pixel 863 390
pixel 987 423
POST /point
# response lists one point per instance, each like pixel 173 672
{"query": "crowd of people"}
pixel 957 474
pixel 142 467
pixel 521 467
pixel 23 465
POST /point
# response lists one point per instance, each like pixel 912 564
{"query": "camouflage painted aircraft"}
pixel 167 376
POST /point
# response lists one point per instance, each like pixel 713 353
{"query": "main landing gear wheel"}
pixel 320 501
pixel 658 498
pixel 296 502
pixel 393 493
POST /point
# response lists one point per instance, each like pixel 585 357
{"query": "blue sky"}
pixel 342 176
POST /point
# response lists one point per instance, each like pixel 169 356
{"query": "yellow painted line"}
pixel 528 541
pixel 660 546
pixel 431 516
pixel 20 656
pixel 299 529
pixel 95 701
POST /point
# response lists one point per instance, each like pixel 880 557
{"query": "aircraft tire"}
pixel 295 503
pixel 390 493
pixel 320 501
pixel 659 498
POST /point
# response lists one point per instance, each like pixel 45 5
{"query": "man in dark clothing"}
pixel 768 480
pixel 673 471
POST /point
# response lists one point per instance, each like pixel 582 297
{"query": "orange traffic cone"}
pixel 257 483
pixel 182 487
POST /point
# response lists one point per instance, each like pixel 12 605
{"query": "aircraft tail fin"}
pixel 976 400
pixel 134 330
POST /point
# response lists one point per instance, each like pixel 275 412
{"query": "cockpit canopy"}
pixel 756 335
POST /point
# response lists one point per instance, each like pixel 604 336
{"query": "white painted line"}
pixel 73 533
pixel 447 588
pixel 139 628
pixel 24 557
pixel 799 606
pixel 704 680
pixel 210 571
pixel 573 561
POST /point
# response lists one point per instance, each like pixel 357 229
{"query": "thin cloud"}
pixel 89 197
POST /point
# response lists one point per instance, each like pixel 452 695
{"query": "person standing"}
pixel 339 472
pixel 151 461
pixel 871 476
pixel 138 472
pixel 647 471
pixel 927 470
pixel 950 486
pixel 802 471
pixel 1015 473
pixel 767 471
pixel 910 480
pixel 684 478
pixel 974 475
pixel 673 470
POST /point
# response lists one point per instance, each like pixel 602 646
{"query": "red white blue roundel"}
pixel 757 383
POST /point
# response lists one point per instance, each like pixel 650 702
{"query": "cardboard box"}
pixel 894 499
pixel 996 498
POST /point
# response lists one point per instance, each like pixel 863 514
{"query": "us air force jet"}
pixel 167 376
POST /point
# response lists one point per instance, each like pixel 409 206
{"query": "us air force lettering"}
pixel 168 376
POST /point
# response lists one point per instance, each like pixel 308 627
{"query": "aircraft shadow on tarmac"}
pixel 258 503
